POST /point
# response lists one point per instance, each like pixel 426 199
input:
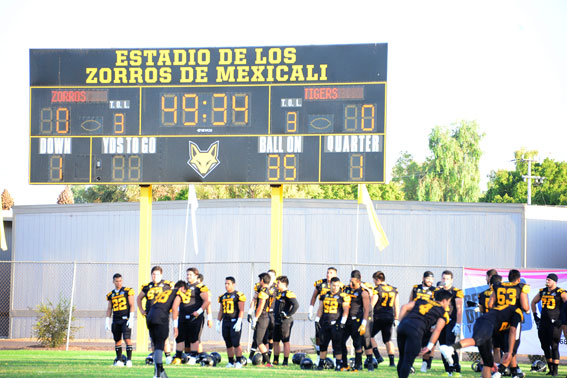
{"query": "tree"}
pixel 7 200
pixel 388 192
pixel 66 197
pixel 99 193
pixel 510 187
pixel 451 173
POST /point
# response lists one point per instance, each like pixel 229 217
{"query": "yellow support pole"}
pixel 144 256
pixel 276 236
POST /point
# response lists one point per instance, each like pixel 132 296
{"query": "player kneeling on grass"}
pixel 230 321
pixel 121 306
pixel 417 318
pixel 285 306
pixel 499 319
pixel 331 319
pixel 158 323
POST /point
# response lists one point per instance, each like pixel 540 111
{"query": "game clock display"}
pixel 283 131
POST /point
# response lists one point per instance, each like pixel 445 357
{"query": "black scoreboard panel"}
pixel 307 114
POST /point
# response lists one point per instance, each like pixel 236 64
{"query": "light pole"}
pixel 529 178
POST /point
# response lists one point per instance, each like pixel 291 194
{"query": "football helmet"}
pixel 216 356
pixel 257 359
pixel 539 366
pixel 297 357
pixel 306 364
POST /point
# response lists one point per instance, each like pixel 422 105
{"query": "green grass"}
pixel 41 363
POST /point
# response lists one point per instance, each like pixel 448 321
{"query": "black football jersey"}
pixel 384 308
pixel 484 299
pixel 152 290
pixel 191 300
pixel 508 293
pixel 551 303
pixel 229 303
pixel 264 294
pixel 120 304
pixel 425 314
pixel 504 317
pixel 286 301
pixel 356 305
pixel 333 306
pixel 322 286
pixel 422 292
pixel 159 312
pixel 455 293
pixel 272 292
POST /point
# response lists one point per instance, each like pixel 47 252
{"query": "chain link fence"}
pixel 27 284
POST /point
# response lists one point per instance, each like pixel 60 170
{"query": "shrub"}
pixel 51 327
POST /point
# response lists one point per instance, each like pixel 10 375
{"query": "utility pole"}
pixel 529 178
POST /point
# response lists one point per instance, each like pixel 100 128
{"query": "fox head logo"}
pixel 203 162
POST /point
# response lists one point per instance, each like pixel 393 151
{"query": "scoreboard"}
pixel 301 114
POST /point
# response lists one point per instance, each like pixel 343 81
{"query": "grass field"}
pixel 28 363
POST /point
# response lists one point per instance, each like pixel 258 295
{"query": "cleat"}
pixel 380 360
pixel 129 363
pixel 447 352
pixel 423 367
pixel 118 363
pixel 229 365
pixel 168 360
pixel 238 365
pixel 192 361
pixel 285 364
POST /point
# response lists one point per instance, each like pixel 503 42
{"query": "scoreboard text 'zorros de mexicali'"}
pixel 302 114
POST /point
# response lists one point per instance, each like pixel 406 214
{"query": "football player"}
pixel 229 321
pixel 424 290
pixel 355 327
pixel 499 339
pixel 285 306
pixel 273 292
pixel 484 297
pixel 321 287
pixel 501 318
pixel 192 304
pixel 121 307
pixel 332 316
pixel 150 291
pixel 386 314
pixel 158 323
pixel 453 328
pixel 260 321
pixel 549 326
pixel 251 312
pixel 513 293
pixel 416 318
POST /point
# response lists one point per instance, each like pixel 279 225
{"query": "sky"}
pixel 499 63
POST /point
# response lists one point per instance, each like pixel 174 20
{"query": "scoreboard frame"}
pixel 314 115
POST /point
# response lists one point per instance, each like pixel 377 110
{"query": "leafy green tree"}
pixel 510 187
pixel 99 193
pixel 451 173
